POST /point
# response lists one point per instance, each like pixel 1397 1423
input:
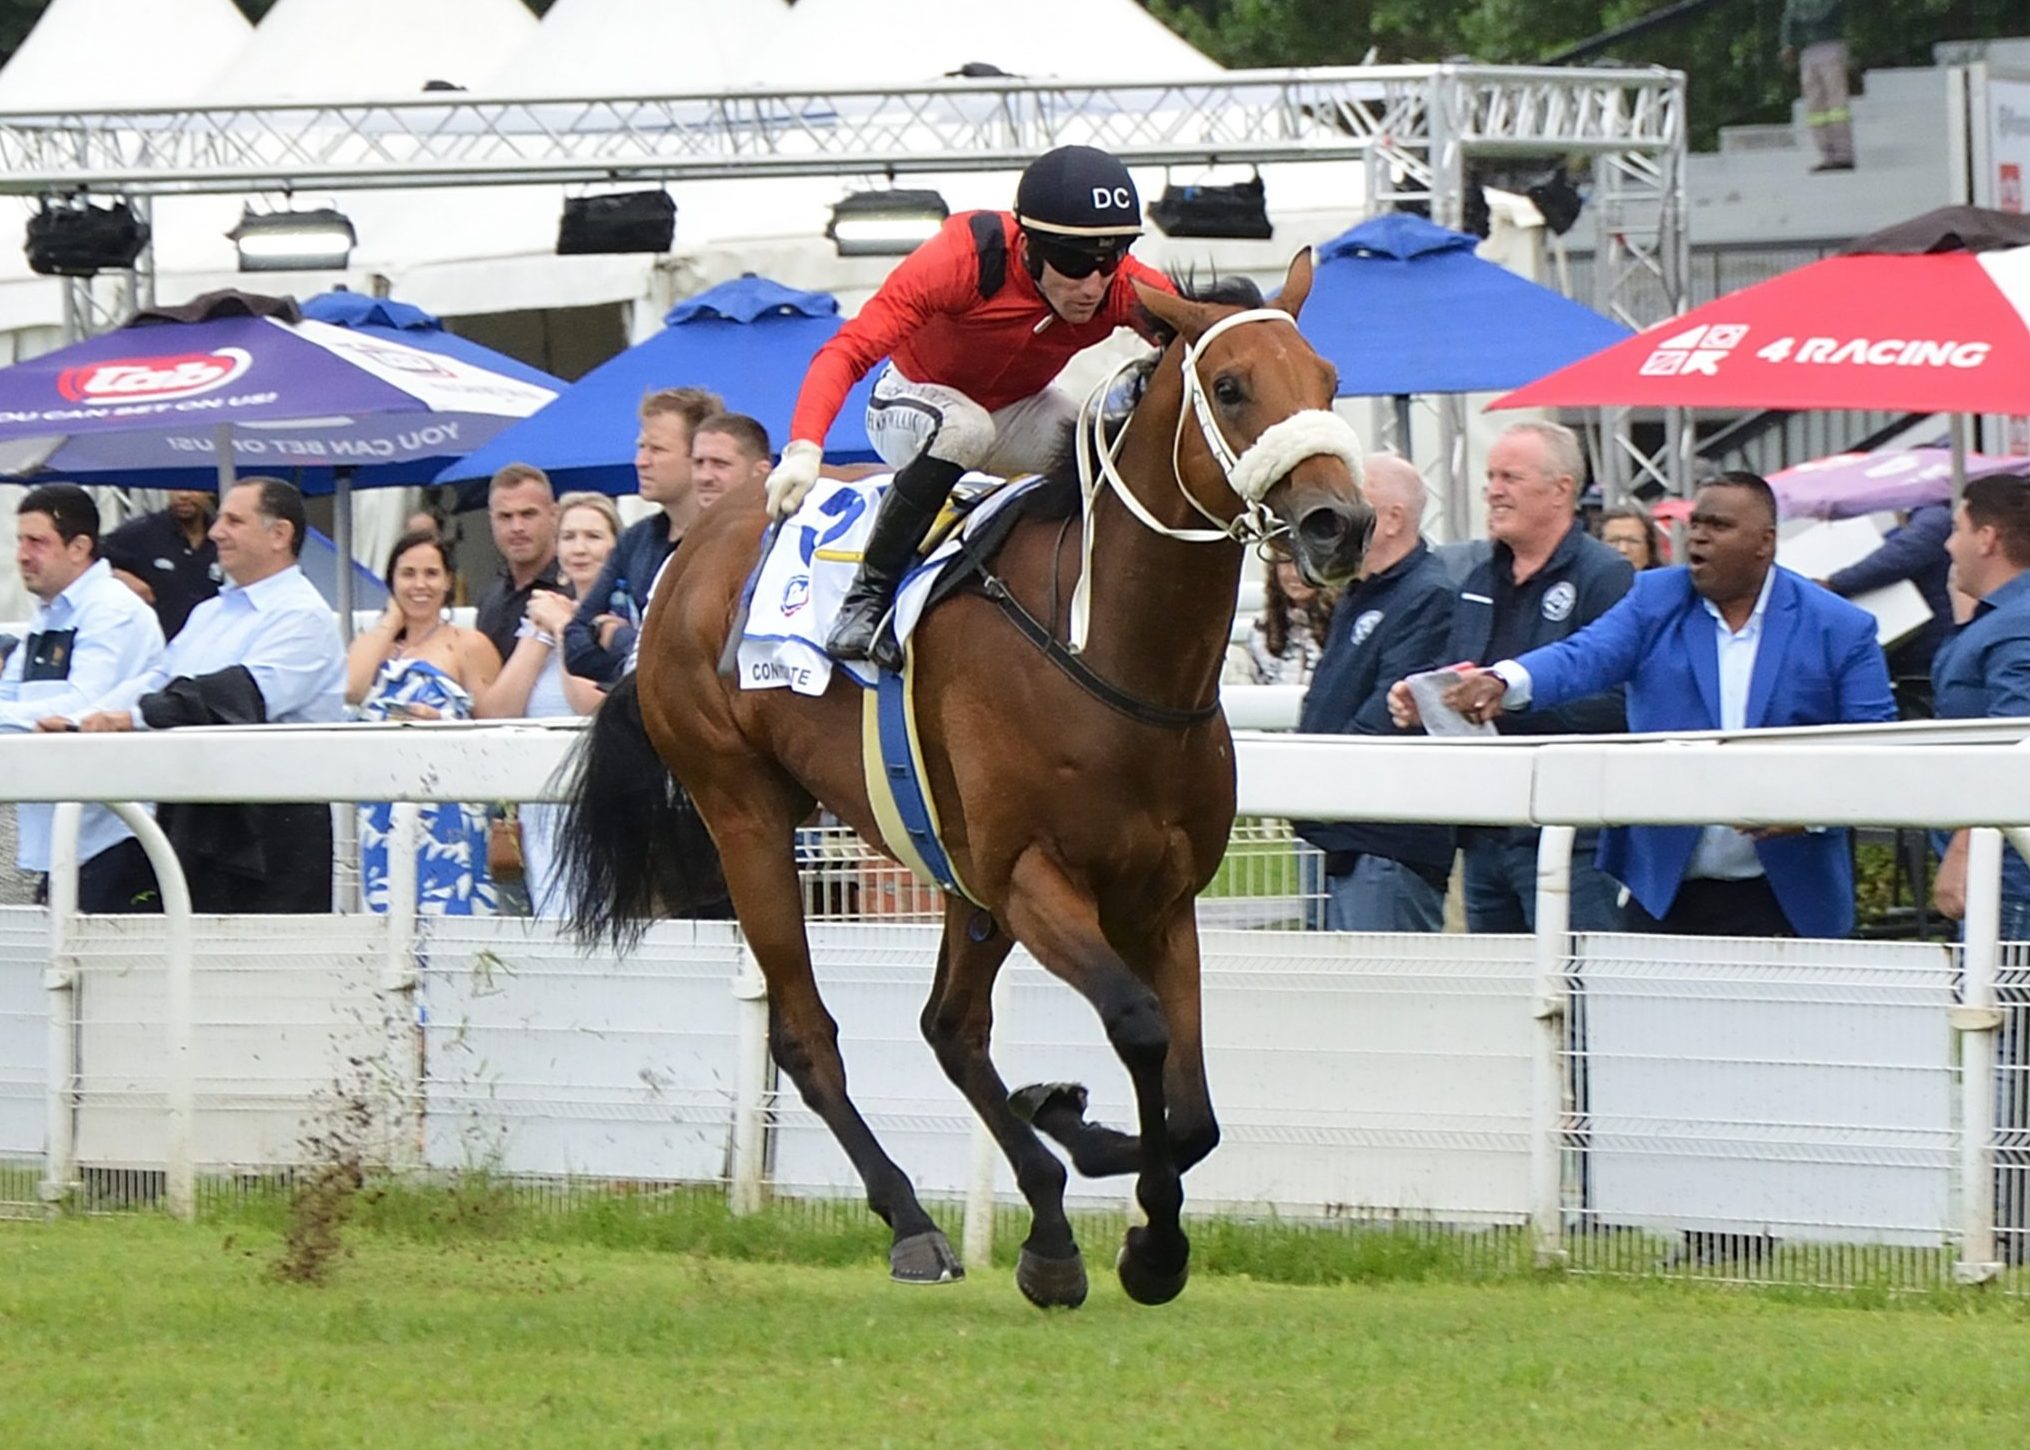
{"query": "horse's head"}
pixel 1262 401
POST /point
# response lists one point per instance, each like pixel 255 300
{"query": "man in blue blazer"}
pixel 1727 642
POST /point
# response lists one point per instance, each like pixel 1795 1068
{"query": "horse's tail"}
pixel 631 846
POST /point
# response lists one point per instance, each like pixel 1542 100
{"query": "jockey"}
pixel 973 344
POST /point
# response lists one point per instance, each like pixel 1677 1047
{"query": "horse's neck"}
pixel 1162 609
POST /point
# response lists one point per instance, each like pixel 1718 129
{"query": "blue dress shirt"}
pixel 1983 672
pixel 80 644
pixel 279 628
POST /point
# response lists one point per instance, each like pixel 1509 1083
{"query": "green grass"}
pixel 133 1331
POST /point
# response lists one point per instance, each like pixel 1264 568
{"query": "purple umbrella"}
pixel 1848 485
pixel 231 379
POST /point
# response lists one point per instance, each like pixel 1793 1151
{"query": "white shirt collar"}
pixel 262 590
pixel 73 593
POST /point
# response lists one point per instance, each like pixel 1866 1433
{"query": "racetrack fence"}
pixel 1824 1112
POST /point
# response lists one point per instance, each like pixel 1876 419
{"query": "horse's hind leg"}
pixel 1059 923
pixel 958 1022
pixel 754 825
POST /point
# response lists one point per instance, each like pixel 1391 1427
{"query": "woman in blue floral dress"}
pixel 414 664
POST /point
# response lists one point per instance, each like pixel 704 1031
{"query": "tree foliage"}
pixel 1728 51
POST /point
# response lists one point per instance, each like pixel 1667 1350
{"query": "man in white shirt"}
pixel 265 651
pixel 88 633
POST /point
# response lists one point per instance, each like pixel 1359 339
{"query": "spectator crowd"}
pixel 201 614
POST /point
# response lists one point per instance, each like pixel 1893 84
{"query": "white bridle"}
pixel 1251 473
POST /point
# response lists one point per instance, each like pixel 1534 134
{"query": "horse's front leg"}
pixel 1171 963
pixel 1059 922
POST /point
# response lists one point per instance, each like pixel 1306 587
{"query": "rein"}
pixel 1251 473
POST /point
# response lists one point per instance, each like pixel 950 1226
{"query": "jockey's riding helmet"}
pixel 1079 209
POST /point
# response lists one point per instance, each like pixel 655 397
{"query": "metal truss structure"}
pixel 1419 130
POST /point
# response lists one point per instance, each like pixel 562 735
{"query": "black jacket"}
pixel 1581 581
pixel 1384 628
pixel 270 858
pixel 621 589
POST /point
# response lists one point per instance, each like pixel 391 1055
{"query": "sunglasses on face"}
pixel 1075 265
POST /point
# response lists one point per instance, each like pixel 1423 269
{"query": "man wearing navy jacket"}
pixel 1727 642
pixel 1542 579
pixel 1392 623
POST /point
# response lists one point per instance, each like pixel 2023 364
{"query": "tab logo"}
pixel 1697 350
pixel 153 379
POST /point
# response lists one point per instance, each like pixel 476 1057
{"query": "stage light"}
pixel 625 221
pixel 1240 210
pixel 885 223
pixel 320 240
pixel 82 240
pixel 1558 200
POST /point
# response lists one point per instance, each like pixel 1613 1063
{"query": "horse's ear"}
pixel 1185 318
pixel 1296 283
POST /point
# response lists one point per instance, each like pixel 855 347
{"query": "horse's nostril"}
pixel 1324 527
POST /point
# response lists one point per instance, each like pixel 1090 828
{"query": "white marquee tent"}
pixel 894 41
pixel 320 50
pixel 645 48
pixel 85 53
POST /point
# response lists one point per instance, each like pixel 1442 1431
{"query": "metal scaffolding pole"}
pixel 1418 129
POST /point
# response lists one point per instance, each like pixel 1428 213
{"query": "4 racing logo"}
pixel 1698 350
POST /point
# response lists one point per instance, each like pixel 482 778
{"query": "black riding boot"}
pixel 904 518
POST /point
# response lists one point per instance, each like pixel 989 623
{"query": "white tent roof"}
pixel 372 49
pixel 87 53
pixel 368 49
pixel 646 48
pixel 892 42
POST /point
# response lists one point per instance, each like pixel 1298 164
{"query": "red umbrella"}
pixel 1946 332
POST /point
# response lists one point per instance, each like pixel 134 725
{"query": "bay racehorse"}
pixel 1085 799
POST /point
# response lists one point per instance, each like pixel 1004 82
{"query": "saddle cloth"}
pixel 805 577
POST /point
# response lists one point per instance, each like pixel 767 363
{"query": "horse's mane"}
pixel 1057 497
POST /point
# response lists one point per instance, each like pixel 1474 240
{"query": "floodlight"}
pixel 1558 201
pixel 885 223
pixel 82 240
pixel 624 221
pixel 320 240
pixel 1239 210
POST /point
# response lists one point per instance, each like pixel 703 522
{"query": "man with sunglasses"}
pixel 973 343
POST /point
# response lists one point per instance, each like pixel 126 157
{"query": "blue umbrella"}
pixel 749 340
pixel 1402 306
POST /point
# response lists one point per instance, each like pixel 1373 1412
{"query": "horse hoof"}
pixel 924 1258
pixel 1145 1281
pixel 1051 1283
pixel 1027 1103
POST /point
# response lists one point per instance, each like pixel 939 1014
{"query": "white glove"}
pixel 793 477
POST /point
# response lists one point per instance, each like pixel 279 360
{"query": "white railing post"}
pixel 750 1084
pixel 1550 1005
pixel 1977 1019
pixel 60 982
pixel 402 1029
pixel 179 969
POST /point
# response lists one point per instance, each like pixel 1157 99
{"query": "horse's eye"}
pixel 1228 391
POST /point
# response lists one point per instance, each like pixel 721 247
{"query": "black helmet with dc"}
pixel 1077 202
